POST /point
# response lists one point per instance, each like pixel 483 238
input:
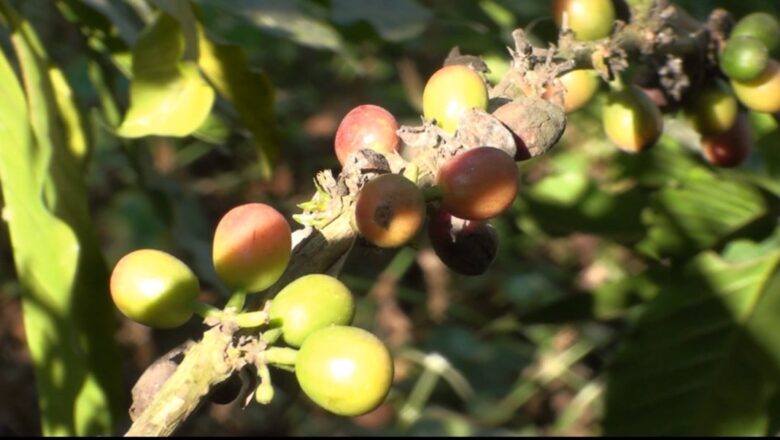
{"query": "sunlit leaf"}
pixel 570 200
pixel 69 320
pixel 698 213
pixel 115 14
pixel 214 130
pixel 72 119
pixel 704 359
pixel 102 34
pixel 667 161
pixel 168 96
pixel 286 19
pixel 394 21
pixel 250 92
pixel 182 12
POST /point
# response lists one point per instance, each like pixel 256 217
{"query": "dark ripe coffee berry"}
pixel 731 148
pixel 467 247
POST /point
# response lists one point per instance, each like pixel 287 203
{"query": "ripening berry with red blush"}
pixel 367 127
pixel 478 184
pixel 252 247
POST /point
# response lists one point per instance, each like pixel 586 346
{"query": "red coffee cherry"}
pixel 389 210
pixel 478 184
pixel 252 247
pixel 366 127
pixel 731 148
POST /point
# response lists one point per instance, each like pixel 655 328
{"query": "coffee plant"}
pixel 410 217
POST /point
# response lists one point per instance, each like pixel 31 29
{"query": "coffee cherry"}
pixel 762 26
pixel 366 126
pixel 252 247
pixel 467 247
pixel 450 92
pixel 589 19
pixel 581 85
pixel 154 288
pixel 731 148
pixel 478 184
pixel 345 370
pixel 714 109
pixel 310 303
pixel 761 94
pixel 744 58
pixel 389 210
pixel 631 120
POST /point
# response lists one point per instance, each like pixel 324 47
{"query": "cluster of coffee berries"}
pixel 746 78
pixel 344 369
pixel 471 187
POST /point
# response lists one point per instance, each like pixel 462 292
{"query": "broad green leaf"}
pixel 101 33
pixel 500 15
pixel 667 161
pixel 109 110
pixel 611 300
pixel 69 320
pixel 250 92
pixel 168 96
pixel 754 177
pixel 72 119
pixel 570 200
pixel 396 21
pixel 766 135
pixel 288 19
pixel 704 358
pixel 117 14
pixel 214 130
pixel 182 12
pixel 698 213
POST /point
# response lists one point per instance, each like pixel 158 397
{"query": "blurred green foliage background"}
pixel 631 294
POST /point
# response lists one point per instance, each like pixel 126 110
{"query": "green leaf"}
pixel 570 200
pixel 250 92
pixel 396 21
pixel 608 301
pixel 698 213
pixel 214 130
pixel 73 121
pixel 68 316
pixel 668 161
pixel 116 14
pixel 168 97
pixel 182 12
pixel 109 37
pixel 704 358
pixel 291 19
